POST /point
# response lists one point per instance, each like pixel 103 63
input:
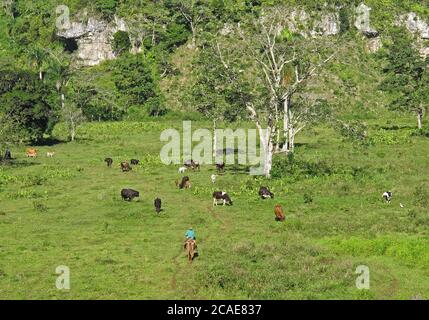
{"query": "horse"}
pixel 191 249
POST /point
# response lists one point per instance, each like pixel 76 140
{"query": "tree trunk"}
pixel 291 142
pixel 286 110
pixel 153 34
pixel 278 141
pixel 214 140
pixel 268 159
pixel 267 146
pixel 41 74
pixel 420 118
pixel 194 36
pixel 73 134
pixel 62 100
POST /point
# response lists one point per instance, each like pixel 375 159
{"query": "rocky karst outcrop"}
pixel 418 27
pixel 93 39
pixel 415 24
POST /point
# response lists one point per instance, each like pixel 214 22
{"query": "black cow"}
pixel 221 196
pixel 125 166
pixel 109 162
pixel 220 166
pixel 135 162
pixel 129 194
pixel 157 204
pixel 185 184
pixel 265 193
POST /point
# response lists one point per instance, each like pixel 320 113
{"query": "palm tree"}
pixel 37 58
pixel 60 70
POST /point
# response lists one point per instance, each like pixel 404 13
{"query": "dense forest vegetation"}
pixel 168 63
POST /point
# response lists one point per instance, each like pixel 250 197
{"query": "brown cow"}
pixel 185 184
pixel 31 153
pixel 125 166
pixel 278 210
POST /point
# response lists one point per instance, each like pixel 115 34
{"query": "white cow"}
pixel 387 196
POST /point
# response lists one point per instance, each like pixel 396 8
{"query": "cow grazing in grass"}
pixel 135 162
pixel 185 184
pixel 265 193
pixel 50 154
pixel 213 177
pixel 387 196
pixel 125 167
pixel 278 211
pixel 109 162
pixel 192 164
pixel 221 196
pixel 157 204
pixel 182 169
pixel 129 194
pixel 220 166
pixel 31 153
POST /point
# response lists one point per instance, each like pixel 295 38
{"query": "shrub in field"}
pixel 39 207
pixel 298 169
pixel 308 198
pixel 421 196
pixel 57 172
pixel 421 133
pixel 25 194
pixel 7 178
pixel 33 180
pixel 408 250
pixel 391 137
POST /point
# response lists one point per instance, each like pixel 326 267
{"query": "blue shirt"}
pixel 190 234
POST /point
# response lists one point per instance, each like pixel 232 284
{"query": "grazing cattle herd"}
pixel 219 197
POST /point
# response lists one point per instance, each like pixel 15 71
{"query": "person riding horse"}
pixel 191 241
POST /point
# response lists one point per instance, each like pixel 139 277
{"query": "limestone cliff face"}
pixel 418 27
pixel 93 39
pixel 415 25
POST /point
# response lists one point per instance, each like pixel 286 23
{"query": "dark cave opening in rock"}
pixel 70 45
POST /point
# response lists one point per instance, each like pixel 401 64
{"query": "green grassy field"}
pixel 67 210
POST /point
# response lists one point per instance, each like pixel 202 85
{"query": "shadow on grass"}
pixel 14 163
pixel 48 142
pixel 395 127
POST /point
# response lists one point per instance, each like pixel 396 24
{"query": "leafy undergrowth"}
pixel 411 251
